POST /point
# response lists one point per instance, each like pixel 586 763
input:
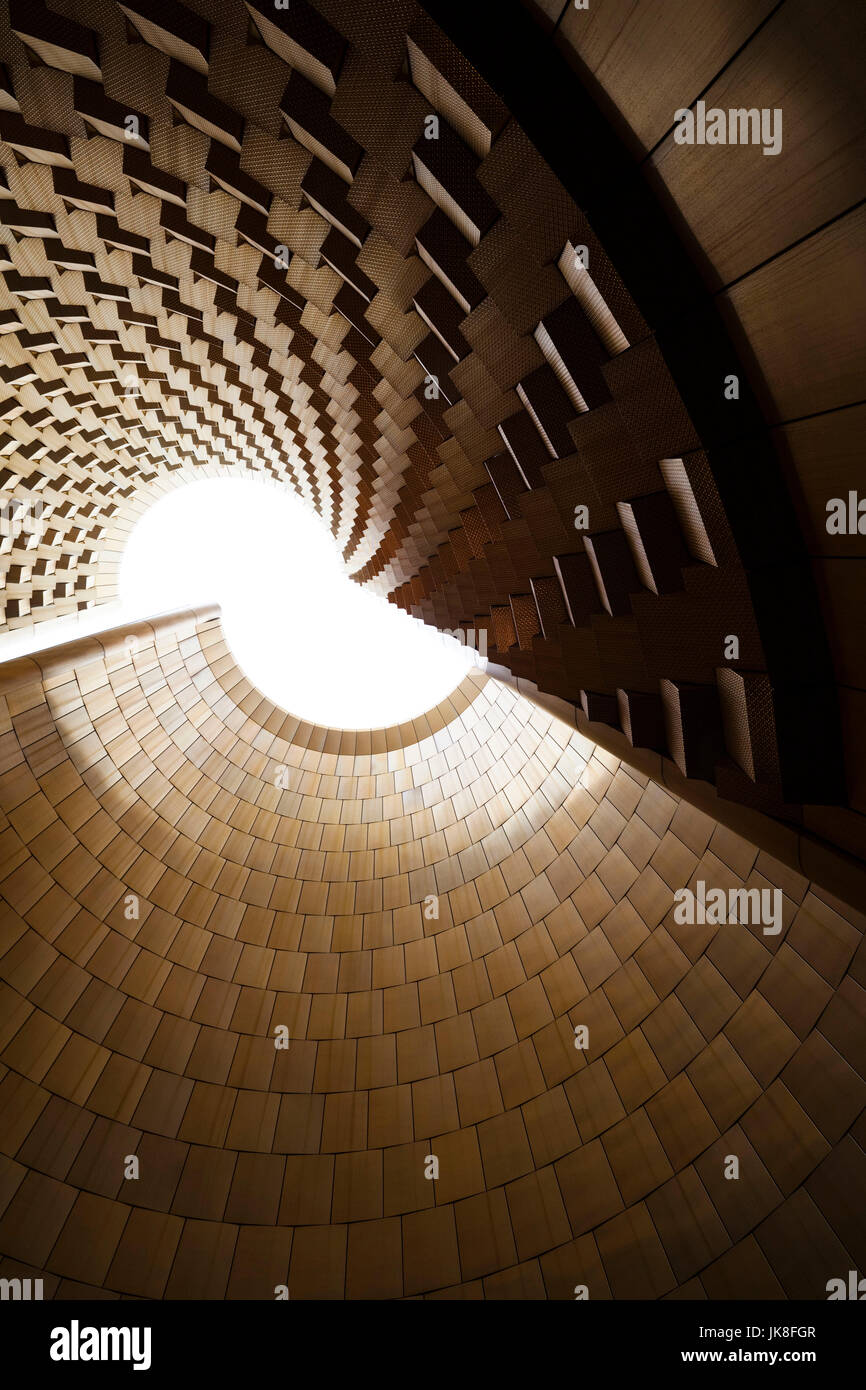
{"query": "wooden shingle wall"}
pixel 185 869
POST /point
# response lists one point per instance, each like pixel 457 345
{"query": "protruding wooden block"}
pixel 307 112
pixel 509 483
pixel 341 255
pixel 443 316
pixel 615 573
pixel 188 93
pixel 33 143
pixel 653 533
pixel 574 355
pixel 302 38
pixel 110 118
pixel 550 410
pixel 57 41
pixel 526 447
pixel 326 192
pixel 641 718
pixel 600 707
pixel 693 727
pixel 173 29
pixel 446 169
pixel 578 587
pixel 444 249
pixel 223 166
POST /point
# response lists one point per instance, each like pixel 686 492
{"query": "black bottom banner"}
pixel 228 1342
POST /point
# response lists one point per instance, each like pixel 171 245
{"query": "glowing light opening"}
pixel 309 638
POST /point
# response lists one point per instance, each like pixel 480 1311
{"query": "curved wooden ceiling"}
pixel 452 290
pixel 229 242
pixel 431 913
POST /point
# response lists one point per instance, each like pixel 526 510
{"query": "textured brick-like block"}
pixel 656 542
pixel 693 727
pixel 613 567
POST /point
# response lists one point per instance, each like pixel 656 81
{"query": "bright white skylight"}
pixel 309 638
